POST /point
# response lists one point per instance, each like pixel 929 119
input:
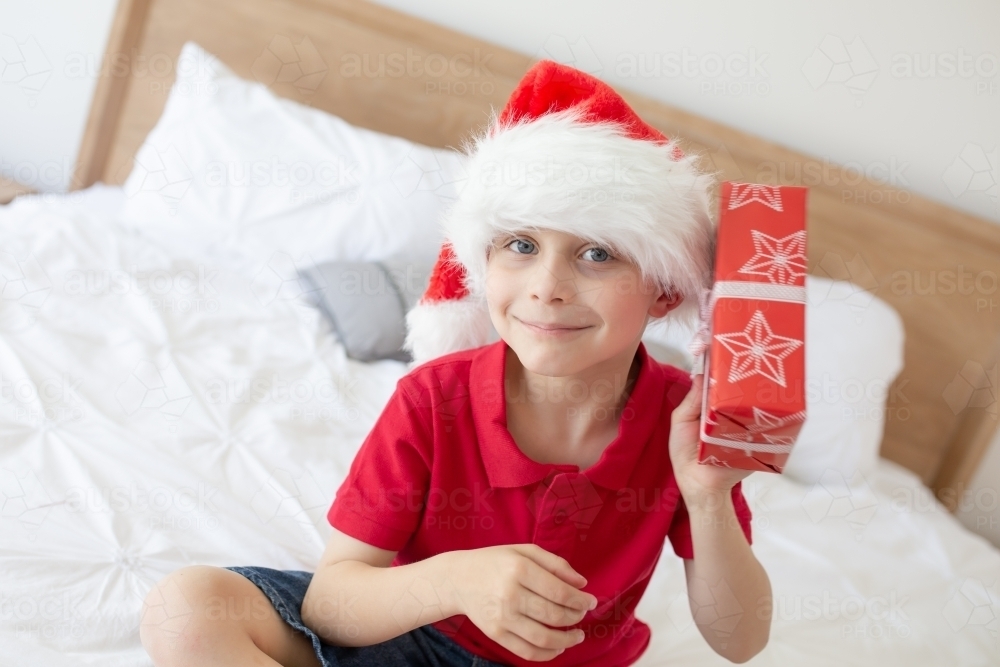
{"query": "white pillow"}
pixel 230 165
pixel 854 351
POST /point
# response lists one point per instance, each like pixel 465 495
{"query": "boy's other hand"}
pixel 698 482
pixel 513 591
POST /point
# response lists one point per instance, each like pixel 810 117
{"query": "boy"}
pixel 512 500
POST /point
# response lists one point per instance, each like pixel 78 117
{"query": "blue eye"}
pixel 600 254
pixel 521 246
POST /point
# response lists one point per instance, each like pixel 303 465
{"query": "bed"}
pixel 133 445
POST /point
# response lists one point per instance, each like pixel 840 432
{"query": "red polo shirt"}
pixel 440 472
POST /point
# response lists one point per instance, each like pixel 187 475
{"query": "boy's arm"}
pixel 356 599
pixel 728 589
pixel 363 602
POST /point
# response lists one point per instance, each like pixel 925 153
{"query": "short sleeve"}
pixel 680 528
pixel 381 500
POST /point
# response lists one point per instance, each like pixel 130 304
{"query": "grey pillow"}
pixel 366 303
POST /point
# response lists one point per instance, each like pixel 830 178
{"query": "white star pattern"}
pixel 749 440
pixel 765 421
pixel 747 193
pixel 712 460
pixel 781 260
pixel 757 350
pixel 741 436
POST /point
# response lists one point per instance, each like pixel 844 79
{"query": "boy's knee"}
pixel 177 619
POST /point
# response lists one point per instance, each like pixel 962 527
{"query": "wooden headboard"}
pixel 386 71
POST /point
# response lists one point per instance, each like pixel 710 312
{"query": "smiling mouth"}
pixel 553 329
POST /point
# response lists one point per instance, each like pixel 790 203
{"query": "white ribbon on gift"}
pixel 736 289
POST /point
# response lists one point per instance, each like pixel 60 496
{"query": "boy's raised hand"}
pixel 509 591
pixel 696 480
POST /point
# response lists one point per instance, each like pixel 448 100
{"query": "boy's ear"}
pixel 665 302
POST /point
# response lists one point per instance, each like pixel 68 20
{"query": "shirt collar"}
pixel 507 466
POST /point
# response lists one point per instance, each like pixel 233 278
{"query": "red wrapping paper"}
pixel 753 329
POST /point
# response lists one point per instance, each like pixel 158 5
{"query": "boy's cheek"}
pixel 502 286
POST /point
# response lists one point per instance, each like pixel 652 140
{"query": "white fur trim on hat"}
pixel 563 173
pixel 434 328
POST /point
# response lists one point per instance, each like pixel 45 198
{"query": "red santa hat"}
pixel 567 153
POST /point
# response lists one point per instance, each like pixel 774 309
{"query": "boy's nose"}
pixel 554 278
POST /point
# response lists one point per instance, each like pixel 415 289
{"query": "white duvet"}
pixel 167 406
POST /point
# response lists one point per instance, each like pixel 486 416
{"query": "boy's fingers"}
pixel 547 585
pixel 548 612
pixel 690 408
pixel 521 647
pixel 541 637
pixel 557 565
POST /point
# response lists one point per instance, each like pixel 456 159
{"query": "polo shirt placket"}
pixel 564 506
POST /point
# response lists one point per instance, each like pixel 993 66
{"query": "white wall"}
pixel 830 80
pixel 915 130
pixel 44 95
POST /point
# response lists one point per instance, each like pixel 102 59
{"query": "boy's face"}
pixel 565 304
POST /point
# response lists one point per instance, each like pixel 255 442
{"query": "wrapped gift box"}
pixel 753 329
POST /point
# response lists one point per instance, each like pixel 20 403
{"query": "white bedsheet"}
pixel 135 441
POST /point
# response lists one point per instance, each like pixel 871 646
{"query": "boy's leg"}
pixel 204 615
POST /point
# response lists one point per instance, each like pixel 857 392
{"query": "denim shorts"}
pixel 425 646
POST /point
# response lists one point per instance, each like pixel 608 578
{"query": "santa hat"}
pixel 567 153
